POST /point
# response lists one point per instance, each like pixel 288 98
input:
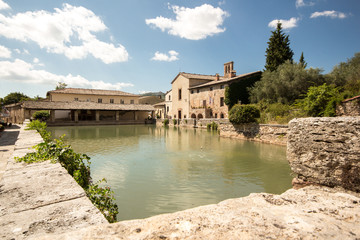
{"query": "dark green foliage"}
pixel 290 81
pixel 166 122
pixel 278 50
pixel 41 115
pixel 320 101
pixel 347 75
pixel 243 114
pixel 77 165
pixel 103 199
pixel 239 91
pixel 302 60
pixel 174 121
pixel 15 97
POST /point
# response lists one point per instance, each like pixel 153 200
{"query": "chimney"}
pixel 217 77
pixel 229 70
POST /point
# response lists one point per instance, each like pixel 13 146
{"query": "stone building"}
pixel 202 96
pixel 75 106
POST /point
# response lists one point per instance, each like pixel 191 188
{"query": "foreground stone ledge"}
pixel 309 213
pixel 326 151
pixel 41 198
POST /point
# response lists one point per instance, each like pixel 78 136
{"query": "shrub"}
pixel 41 115
pixel 166 122
pixel 243 114
pixel 174 121
pixel 212 126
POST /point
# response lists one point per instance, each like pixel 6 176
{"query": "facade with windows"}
pixel 202 96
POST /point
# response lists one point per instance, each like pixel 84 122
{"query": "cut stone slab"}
pixel 309 213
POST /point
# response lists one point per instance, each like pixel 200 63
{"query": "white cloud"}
pixel 4 52
pixel 192 23
pixel 172 56
pixel 301 3
pixel 56 32
pixel 331 14
pixel 4 5
pixel 21 71
pixel 286 24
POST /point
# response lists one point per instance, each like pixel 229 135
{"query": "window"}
pixel 76 99
pixel 222 87
pixel 221 102
pixel 111 100
pixel 99 100
pixel 179 94
pixel 169 97
pixel 131 101
pixel 167 109
pixel 221 115
pixel 204 103
pixel 215 115
pixel 121 101
pixel 192 91
pixel 198 91
pixel 211 88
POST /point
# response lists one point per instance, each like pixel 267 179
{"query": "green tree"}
pixel 302 60
pixel 15 97
pixel 278 50
pixel 347 75
pixel 61 85
pixel 320 101
pixel 287 83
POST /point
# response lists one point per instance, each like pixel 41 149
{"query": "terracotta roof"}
pixel 225 80
pixel 85 106
pixel 92 92
pixel 197 76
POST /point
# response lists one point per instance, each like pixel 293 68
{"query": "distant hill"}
pixel 154 94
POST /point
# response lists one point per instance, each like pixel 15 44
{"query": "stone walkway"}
pixel 7 143
pixel 40 198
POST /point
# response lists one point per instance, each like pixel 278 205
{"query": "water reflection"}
pixel 156 170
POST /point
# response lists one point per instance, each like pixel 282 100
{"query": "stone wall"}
pixel 349 107
pixel 326 151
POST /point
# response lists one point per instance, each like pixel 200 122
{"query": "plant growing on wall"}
pixel 77 165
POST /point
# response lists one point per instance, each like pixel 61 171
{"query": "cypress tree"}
pixel 278 50
pixel 302 60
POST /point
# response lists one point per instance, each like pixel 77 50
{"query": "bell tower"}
pixel 229 71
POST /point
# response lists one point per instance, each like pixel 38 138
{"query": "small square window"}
pixel 198 90
pixel 192 91
pixel 99 100
pixel 222 87
pixel 76 99
pixel 211 88
pixel 121 101
pixel 111 100
pixel 131 101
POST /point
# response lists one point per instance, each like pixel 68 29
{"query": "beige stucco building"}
pixel 75 106
pixel 202 96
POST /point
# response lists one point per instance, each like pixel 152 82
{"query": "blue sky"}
pixel 139 46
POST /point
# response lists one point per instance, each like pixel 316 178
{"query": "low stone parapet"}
pixel 326 151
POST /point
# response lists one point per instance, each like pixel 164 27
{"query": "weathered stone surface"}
pixel 309 213
pixel 266 133
pixel 41 198
pixel 326 151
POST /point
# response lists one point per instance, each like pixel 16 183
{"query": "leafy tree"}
pixel 302 60
pixel 347 75
pixel 287 83
pixel 278 50
pixel 320 101
pixel 15 97
pixel 61 85
pixel 239 91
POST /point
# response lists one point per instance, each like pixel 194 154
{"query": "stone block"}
pixel 326 151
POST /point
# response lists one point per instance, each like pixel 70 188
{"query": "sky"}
pixel 140 46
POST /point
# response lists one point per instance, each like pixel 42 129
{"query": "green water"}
pixel 155 170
